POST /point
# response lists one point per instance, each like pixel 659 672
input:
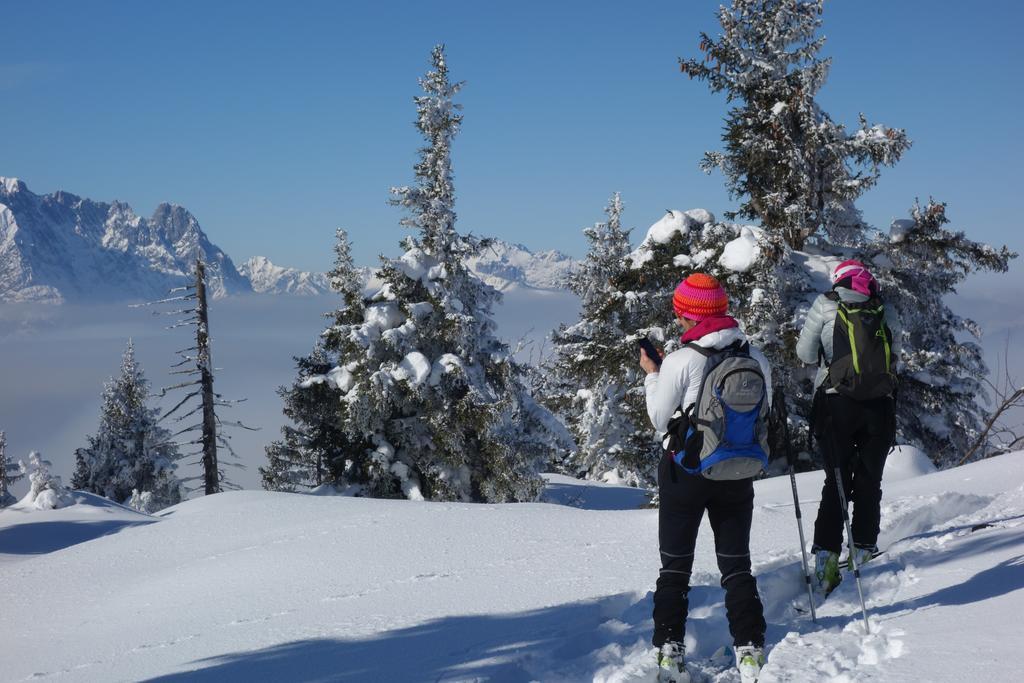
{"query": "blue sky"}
pixel 274 123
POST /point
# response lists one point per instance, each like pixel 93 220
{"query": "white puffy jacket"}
pixel 677 382
pixel 817 331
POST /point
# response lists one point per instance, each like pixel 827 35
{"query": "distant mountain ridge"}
pixel 61 247
pixel 267 278
pixel 502 265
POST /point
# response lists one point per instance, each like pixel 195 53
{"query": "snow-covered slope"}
pixel 61 247
pixel 267 586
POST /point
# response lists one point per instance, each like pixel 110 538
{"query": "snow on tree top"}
pixel 421 309
pixel 671 224
pixel 383 316
pixel 419 265
pixel 448 362
pixel 876 133
pixel 741 253
pixel 339 378
pixel 414 368
pixel 900 228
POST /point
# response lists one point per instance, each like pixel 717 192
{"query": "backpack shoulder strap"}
pixel 702 350
pixel 714 358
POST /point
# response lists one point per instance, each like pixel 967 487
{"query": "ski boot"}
pixel 671 668
pixel 826 571
pixel 749 660
pixel 863 555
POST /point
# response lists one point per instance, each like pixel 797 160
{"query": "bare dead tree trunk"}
pixel 3 469
pixel 1009 399
pixel 211 475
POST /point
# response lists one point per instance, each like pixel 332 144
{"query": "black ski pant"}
pixel 856 436
pixel 730 507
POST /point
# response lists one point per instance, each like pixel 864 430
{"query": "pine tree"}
pixel 941 371
pixel 315 449
pixel 9 473
pixel 433 399
pixel 795 169
pixel 594 368
pixel 130 450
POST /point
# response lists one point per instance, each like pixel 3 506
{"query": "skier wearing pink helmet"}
pixel 853 337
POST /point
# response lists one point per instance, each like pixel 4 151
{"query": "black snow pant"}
pixel 730 507
pixel 856 436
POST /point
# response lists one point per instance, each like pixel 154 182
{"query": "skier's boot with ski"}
pixel 826 571
pixel 671 668
pixel 863 555
pixel 749 660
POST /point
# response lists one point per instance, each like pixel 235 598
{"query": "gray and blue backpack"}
pixel 724 435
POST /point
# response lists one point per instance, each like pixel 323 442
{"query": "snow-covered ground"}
pixel 255 586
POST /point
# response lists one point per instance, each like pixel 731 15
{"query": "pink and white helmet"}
pixel 860 278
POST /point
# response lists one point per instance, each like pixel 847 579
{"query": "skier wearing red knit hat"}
pixel 688 485
pixel 853 337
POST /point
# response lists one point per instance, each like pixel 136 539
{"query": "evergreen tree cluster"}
pixel 131 456
pixel 409 393
pixel 797 173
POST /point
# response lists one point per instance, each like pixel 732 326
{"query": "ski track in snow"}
pixel 324 589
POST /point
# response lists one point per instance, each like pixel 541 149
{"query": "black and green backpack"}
pixel 862 360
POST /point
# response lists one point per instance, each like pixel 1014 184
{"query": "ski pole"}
pixel 780 400
pixel 846 521
pixel 849 545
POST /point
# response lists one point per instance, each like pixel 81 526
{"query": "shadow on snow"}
pixel 495 647
pixel 39 538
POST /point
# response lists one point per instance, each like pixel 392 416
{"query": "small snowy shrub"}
pixel 46 491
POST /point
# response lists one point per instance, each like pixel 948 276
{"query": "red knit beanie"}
pixel 700 296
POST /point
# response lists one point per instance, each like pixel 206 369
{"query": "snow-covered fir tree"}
pixel 941 369
pixel 9 473
pixel 433 403
pixel 593 368
pixel 130 451
pixel 46 492
pixel 794 169
pixel 315 449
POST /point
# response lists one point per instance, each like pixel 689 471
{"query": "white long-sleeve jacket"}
pixel 818 327
pixel 677 382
